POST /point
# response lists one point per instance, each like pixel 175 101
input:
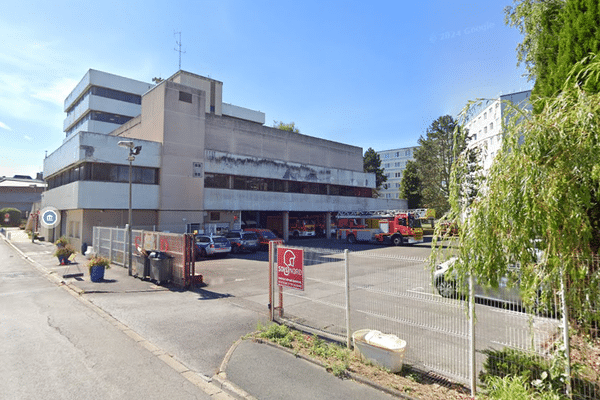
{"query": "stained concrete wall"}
pixel 233 136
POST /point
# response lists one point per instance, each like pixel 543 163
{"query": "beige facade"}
pixel 195 141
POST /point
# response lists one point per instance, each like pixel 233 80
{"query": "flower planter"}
pixel 63 260
pixel 97 273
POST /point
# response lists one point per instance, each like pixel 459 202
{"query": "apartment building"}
pixel 393 163
pixel 485 128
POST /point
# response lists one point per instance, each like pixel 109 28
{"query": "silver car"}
pixel 208 245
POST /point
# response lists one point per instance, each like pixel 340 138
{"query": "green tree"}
pixel 543 191
pixel 557 35
pixel 410 185
pixel 291 127
pixel 536 20
pixel 372 164
pixel 434 157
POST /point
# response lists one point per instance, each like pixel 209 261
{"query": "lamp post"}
pixel 133 151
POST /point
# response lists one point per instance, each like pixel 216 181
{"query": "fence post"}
pixel 347 275
pixel 110 244
pixel 565 312
pixel 472 361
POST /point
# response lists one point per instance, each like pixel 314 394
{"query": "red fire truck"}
pixel 398 228
pixel 298 227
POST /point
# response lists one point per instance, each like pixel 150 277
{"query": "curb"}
pixel 351 375
pixel 221 377
pixel 206 384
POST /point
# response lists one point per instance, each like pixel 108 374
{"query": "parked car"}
pixel 447 286
pixel 264 236
pixel 209 245
pixel 243 241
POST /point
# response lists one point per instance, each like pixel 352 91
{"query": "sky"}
pixel 370 74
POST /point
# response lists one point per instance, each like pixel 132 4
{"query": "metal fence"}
pixel 112 244
pixel 450 338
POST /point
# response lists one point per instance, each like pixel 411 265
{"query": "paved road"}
pixel 55 347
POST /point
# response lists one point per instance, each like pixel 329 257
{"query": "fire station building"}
pixel 203 164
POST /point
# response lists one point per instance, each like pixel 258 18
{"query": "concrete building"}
pixel 393 163
pixel 102 102
pixel 204 165
pixel 485 128
pixel 20 192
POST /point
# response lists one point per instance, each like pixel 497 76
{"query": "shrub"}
pixel 14 218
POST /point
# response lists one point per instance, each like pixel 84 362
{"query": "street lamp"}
pixel 133 151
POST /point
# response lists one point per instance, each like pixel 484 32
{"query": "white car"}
pixel 447 286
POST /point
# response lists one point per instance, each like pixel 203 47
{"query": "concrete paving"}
pixel 196 335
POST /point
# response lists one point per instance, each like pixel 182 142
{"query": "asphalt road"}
pixel 55 347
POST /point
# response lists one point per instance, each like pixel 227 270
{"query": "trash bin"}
pixel 142 266
pixel 161 265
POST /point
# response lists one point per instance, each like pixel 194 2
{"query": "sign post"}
pixel 290 268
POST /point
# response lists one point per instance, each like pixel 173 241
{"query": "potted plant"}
pixel 62 242
pixel 96 266
pixel 63 253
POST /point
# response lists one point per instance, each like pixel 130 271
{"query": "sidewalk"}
pixel 248 370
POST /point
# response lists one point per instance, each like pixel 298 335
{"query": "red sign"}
pixel 290 268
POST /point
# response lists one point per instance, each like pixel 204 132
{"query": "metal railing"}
pixel 111 243
pixel 346 292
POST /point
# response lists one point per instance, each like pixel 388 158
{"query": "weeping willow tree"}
pixel 539 205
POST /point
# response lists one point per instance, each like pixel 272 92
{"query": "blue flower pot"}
pixel 97 273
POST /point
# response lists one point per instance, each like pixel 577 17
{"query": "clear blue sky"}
pixel 371 74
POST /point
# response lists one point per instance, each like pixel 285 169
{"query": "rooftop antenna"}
pixel 179 49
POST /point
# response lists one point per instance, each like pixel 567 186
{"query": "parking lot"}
pixel 388 294
pixel 245 275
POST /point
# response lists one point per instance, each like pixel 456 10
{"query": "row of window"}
pixel 223 181
pixel 400 164
pixel 407 153
pixel 103 172
pixel 107 93
pixel 99 116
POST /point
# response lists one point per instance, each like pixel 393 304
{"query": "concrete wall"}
pixel 183 145
pixel 101 195
pixel 234 136
pixel 97 147
pixel 219 162
pixel 213 97
pixel 228 199
pixel 104 79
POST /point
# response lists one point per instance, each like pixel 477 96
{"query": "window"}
pixel 485 115
pixel 185 97
pixel 407 153
pixel 219 181
pixel 215 216
pixel 491 126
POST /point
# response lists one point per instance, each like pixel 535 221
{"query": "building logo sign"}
pixel 290 268
pixel 49 217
